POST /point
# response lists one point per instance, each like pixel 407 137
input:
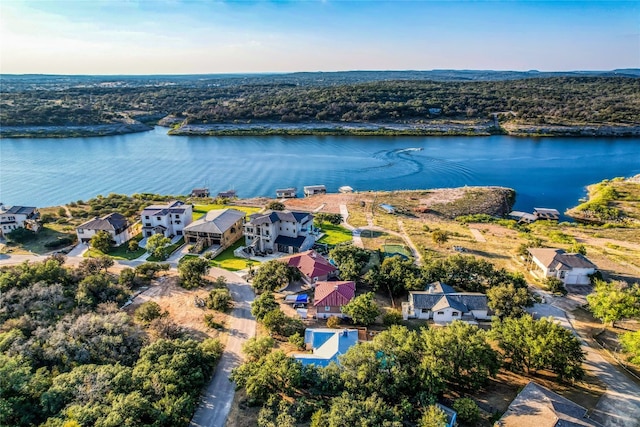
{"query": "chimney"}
pixel 431 288
pixel 336 287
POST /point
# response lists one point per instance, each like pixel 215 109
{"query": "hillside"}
pixel 615 201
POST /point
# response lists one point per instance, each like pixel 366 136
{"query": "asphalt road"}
pixel 216 400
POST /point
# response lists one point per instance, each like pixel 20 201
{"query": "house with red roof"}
pixel 330 297
pixel 313 266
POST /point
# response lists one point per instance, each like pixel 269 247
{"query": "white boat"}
pixel 345 189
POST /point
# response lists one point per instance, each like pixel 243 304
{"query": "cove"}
pixel 545 172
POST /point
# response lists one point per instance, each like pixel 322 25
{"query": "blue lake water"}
pixel 547 172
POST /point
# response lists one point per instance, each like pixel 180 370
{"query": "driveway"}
pixel 216 400
pixel 619 406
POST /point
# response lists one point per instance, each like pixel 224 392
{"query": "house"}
pixel 15 217
pixel 330 297
pixel 279 231
pixel 313 267
pixel 229 194
pixel 200 192
pixel 311 190
pixel 168 220
pixel 443 304
pixel 537 406
pixel 115 224
pixel 286 193
pixel 572 269
pixel 327 345
pixel 522 217
pixel 218 227
pixel 544 213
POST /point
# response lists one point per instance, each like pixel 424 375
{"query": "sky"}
pixel 208 36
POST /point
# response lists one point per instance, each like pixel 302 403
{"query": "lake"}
pixel 545 172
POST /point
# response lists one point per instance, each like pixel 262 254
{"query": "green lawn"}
pixel 230 262
pixel 396 249
pixel 172 249
pixel 119 252
pixel 334 234
pixel 45 235
pixel 200 210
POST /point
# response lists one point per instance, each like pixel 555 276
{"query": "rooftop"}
pixel 310 263
pixel 559 259
pixel 334 294
pixel 110 222
pixel 216 221
pixel 327 345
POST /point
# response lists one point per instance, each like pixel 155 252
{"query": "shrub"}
pixel 555 285
pixel 298 340
pixel 210 321
pixel 148 311
pixel 333 322
pixel 63 241
pixel 467 409
pixel 219 299
pixel 392 317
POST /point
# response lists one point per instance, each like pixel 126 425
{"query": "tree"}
pixel 395 275
pixel 465 356
pixel 272 275
pixel 631 344
pixel 539 344
pixel 127 277
pixel 467 409
pixel 509 301
pixel 350 260
pixel 133 245
pixel 256 348
pixel 433 417
pixel 192 272
pixel 219 299
pixel 354 411
pixel 148 311
pixel 362 309
pixel 578 248
pixel 278 322
pixel 613 301
pixel 101 241
pixel 276 206
pixel 297 340
pixel 263 304
pixel 555 285
pixel 439 237
pixel 158 246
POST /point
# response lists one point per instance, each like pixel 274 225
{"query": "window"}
pixel 562 274
pixel 177 216
pixel 146 217
pixel 177 222
pixel 80 231
pixel 455 314
pixel 425 310
pixel 327 308
pixel 441 313
pixel 158 218
pixel 147 224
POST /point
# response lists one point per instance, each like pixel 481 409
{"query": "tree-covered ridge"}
pixel 551 100
pixel 70 357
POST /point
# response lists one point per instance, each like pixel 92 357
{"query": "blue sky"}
pixel 198 36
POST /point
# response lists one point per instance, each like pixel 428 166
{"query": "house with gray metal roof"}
pixel 279 231
pixel 572 269
pixel 14 217
pixel 220 228
pixel 115 224
pixel 442 304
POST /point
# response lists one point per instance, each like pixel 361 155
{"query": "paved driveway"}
pixel 216 401
pixel 620 405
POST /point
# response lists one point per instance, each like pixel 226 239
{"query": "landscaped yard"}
pixel 119 252
pixel 229 261
pixel 200 210
pixel 45 235
pixel 334 234
pixel 172 249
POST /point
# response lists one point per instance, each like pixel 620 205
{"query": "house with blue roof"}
pixel 327 345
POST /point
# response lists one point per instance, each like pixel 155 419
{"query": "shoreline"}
pixel 471 129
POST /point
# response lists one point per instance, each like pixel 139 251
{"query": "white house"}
pixel 168 220
pixel 572 269
pixel 279 231
pixel 15 217
pixel 114 223
pixel 443 304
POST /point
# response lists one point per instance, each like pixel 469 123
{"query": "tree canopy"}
pixel 612 301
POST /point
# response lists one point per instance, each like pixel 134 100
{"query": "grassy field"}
pixel 46 234
pixel 118 252
pixel 200 210
pixel 334 234
pixel 229 261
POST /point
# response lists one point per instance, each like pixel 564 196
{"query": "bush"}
pixel 219 299
pixel 148 311
pixel 210 321
pixel 333 322
pixel 467 409
pixel 555 285
pixel 298 340
pixel 392 317
pixel 21 235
